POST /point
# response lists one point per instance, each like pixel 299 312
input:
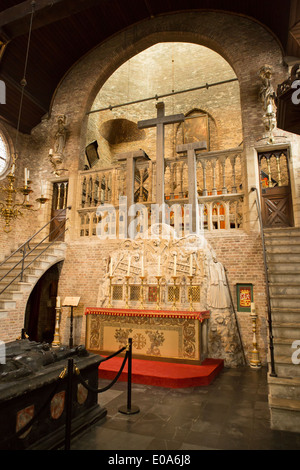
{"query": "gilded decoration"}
pixel 158 272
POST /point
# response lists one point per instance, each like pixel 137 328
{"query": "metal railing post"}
pixel 129 409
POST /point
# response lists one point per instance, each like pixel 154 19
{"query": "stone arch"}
pixel 217 31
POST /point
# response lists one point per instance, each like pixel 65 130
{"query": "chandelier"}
pixel 11 209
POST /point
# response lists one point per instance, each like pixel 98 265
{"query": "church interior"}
pixel 150 213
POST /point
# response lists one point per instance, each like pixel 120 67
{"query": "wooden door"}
pixel 276 197
pixel 59 210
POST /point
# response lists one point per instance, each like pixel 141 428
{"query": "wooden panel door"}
pixel 276 197
pixel 59 210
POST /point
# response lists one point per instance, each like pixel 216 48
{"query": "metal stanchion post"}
pixel 69 404
pixel 129 409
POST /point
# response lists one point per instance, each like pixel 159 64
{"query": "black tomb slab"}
pixel 30 381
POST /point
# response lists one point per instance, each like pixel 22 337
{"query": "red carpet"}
pixel 163 374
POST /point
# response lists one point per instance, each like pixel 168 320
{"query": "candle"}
pixel 25 176
pixel 13 169
pixel 128 270
pixel 175 263
pixel 42 188
pixel 252 308
pixel 159 265
pixel 191 264
pixel 142 265
pixel 57 302
pixel 50 151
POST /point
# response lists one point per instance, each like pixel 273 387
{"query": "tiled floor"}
pixel 230 414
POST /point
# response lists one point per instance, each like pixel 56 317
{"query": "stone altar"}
pixel 188 270
pixel 28 377
pixel 156 334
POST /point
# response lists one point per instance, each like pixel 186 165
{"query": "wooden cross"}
pixel 192 178
pixel 131 158
pixel 159 122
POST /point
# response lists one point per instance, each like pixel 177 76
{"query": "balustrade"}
pixel 218 185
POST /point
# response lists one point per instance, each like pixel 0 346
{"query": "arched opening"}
pixel 40 310
pixel 190 79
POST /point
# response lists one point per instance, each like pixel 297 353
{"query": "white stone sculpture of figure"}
pixel 217 294
pixel 60 136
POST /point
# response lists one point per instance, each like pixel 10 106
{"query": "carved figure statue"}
pixel 217 294
pixel 60 136
pixel 266 91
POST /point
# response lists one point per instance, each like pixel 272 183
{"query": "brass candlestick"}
pixel 56 339
pixel 174 292
pixel 142 292
pixel 191 293
pixel 158 293
pixel 127 291
pixel 255 360
pixel 110 292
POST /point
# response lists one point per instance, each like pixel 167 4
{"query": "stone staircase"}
pixel 283 258
pixel 48 255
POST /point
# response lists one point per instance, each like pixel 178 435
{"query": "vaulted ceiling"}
pixel 64 30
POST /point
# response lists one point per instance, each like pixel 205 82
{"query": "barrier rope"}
pixel 100 390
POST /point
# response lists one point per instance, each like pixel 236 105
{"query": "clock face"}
pixel 4 155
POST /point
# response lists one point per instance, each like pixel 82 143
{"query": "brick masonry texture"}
pixel 246 46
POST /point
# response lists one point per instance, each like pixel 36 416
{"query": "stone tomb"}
pixel 28 378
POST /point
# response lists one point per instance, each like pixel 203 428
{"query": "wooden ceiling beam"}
pixel 9 80
pixel 15 20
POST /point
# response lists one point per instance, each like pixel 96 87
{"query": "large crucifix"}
pixel 159 122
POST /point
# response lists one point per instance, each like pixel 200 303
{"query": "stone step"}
pixel 47 256
pixel 284 289
pixel 3 313
pixel 284 277
pixel 286 315
pixel 284 366
pixel 286 247
pixel 291 301
pixel 12 295
pixel 281 232
pixel 286 330
pixel 283 267
pixel 32 269
pixel 285 414
pixel 283 347
pixel 284 387
pixel 7 304
pixel 283 257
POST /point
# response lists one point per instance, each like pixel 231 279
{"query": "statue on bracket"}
pixel 267 98
pixel 56 155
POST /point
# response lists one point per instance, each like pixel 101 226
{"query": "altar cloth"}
pixel 156 334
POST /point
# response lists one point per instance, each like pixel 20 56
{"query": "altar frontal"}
pixel 170 335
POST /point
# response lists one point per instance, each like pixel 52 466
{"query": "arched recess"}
pixel 40 310
pixel 255 46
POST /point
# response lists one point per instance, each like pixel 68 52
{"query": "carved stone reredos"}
pixel 159 249
pixel 155 253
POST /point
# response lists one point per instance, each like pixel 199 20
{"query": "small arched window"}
pixel 4 155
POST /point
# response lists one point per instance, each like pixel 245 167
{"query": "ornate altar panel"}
pixel 177 336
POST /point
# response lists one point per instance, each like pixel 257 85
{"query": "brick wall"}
pixel 246 46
